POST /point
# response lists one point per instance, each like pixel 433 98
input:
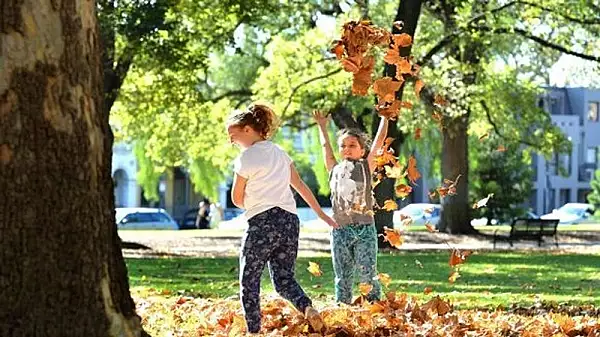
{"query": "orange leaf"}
pixel 427 290
pixel 393 236
pixel 365 288
pixel 338 49
pixel 484 136
pixel 389 110
pixel 399 24
pixel 392 56
pixel 417 133
pixel 390 205
pixel 430 227
pixel 501 148
pixel 457 257
pixel 402 40
pixel 419 84
pixel 385 279
pixel 385 88
pixel 453 276
pixel 352 64
pixel 395 171
pixel 403 190
pixel 406 104
pixel 314 269
pixel 403 66
pixel 413 172
pixel 362 78
pixel 439 100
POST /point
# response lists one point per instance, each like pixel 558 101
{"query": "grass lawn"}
pixel 487 279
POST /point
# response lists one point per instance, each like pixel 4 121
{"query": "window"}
pixel 565 196
pixel 582 195
pixel 555 108
pixel 561 164
pixel 593 111
pixel 591 155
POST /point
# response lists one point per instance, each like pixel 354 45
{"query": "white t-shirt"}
pixel 267 168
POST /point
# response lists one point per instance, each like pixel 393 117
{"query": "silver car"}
pixel 144 218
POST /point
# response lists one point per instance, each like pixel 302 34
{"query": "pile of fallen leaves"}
pixel 396 315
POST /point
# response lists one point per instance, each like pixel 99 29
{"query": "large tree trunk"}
pixel 408 12
pixel 455 217
pixel 62 271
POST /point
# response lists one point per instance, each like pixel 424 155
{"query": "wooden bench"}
pixel 529 229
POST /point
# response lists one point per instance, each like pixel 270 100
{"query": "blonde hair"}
pixel 260 117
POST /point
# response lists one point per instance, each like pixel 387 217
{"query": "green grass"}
pixel 487 279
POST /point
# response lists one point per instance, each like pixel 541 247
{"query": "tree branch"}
pixel 289 102
pixel 540 41
pixel 239 92
pixel 497 129
pixel 595 21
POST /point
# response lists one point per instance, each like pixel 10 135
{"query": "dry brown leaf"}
pixel 385 88
pixel 412 171
pixel 390 205
pixel 417 133
pixel 314 269
pixel 430 227
pixel 459 256
pixel 501 148
pixel 393 236
pixel 427 290
pixel 385 279
pixel 403 190
pixel 453 276
pixel 365 288
pixel 402 40
pixel 419 84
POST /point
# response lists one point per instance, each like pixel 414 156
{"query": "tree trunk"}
pixel 62 271
pixel 408 12
pixel 455 217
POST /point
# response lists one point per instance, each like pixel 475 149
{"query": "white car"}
pixel 419 213
pixel 144 218
pixel 570 213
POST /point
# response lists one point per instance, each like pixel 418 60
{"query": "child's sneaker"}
pixel 314 318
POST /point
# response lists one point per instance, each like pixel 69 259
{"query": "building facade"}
pixel 566 177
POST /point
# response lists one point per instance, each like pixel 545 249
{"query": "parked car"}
pixel 419 213
pixel 571 213
pixel 231 213
pixel 484 221
pixel 144 218
pixel 188 221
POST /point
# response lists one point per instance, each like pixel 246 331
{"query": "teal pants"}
pixel 354 249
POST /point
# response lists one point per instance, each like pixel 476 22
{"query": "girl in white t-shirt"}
pixel 261 186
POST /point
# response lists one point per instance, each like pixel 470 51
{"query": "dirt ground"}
pixel 214 243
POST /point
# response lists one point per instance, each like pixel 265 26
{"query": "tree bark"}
pixel 62 270
pixel 408 12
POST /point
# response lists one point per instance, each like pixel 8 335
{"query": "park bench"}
pixel 529 229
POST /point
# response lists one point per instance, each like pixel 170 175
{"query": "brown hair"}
pixel 361 137
pixel 259 117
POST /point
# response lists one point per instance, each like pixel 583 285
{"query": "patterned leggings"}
pixel 354 247
pixel 271 238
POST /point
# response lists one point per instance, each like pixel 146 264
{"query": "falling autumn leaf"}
pixel 483 202
pixel 458 256
pixel 419 84
pixel 501 148
pixel 453 276
pixel 385 88
pixel 419 264
pixel 430 227
pixel 314 269
pixel 389 110
pixel 402 40
pixel 484 136
pixel 439 100
pixel 403 66
pixel 403 190
pixel 395 171
pixel 398 25
pixel 412 171
pixel 427 290
pixel 384 278
pixel 392 56
pixel 365 288
pixel 338 49
pixel 390 205
pixel 393 236
pixel 417 133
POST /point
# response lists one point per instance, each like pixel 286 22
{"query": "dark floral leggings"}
pixel 271 238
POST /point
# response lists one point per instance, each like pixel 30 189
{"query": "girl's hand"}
pixel 329 221
pixel 321 119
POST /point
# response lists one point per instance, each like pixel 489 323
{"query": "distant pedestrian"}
pixel 202 218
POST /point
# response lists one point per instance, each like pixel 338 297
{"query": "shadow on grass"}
pixel 486 278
